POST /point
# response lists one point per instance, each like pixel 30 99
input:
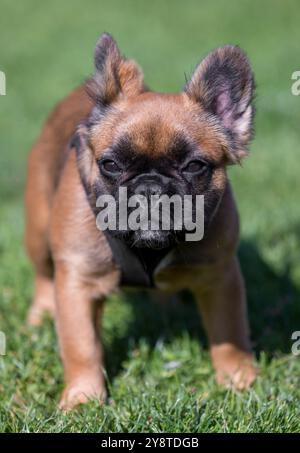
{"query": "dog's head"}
pixel 156 144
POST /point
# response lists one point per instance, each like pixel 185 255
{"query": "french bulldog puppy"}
pixel 114 132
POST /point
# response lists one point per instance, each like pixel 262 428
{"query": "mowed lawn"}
pixel 157 367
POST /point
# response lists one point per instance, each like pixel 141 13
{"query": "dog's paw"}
pixel 239 377
pixel 81 392
pixel 234 368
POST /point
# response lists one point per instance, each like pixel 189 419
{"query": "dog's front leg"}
pixel 77 313
pixel 223 310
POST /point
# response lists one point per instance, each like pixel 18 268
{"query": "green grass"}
pixel 157 366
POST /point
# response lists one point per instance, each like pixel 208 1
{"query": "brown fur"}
pixel 74 265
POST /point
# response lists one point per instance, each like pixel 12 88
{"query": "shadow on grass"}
pixel 273 306
pixel 273 302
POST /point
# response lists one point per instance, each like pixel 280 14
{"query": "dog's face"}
pixel 165 144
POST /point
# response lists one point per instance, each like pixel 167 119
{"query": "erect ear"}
pixel 114 75
pixel 223 84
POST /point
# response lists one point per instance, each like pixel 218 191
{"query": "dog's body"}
pixel 74 262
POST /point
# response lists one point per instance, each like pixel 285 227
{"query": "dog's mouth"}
pixel 156 240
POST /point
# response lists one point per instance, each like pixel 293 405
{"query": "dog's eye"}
pixel 109 166
pixel 195 166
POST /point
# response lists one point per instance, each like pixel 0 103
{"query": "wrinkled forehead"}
pixel 155 124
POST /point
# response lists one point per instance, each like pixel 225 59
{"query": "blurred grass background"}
pixel 159 375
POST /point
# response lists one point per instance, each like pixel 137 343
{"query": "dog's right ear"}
pixel 115 76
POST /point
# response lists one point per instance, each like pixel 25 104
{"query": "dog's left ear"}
pixel 114 76
pixel 223 84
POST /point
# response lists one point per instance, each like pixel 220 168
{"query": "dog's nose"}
pixel 148 188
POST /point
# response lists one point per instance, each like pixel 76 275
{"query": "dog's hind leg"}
pixel 43 302
pixel 37 204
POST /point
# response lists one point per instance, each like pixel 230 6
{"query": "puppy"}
pixel 114 132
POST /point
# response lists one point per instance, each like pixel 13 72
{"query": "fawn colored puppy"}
pixel 115 132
